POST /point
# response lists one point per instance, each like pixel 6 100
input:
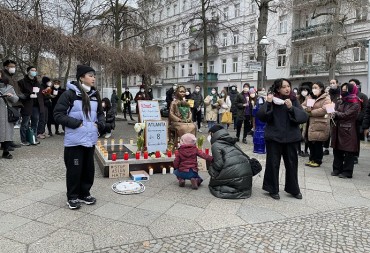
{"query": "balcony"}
pixel 210 76
pixel 314 68
pixel 312 31
pixel 196 53
pixel 196 31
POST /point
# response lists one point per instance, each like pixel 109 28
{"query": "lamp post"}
pixel 263 43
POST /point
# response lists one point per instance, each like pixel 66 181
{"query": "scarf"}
pixel 352 95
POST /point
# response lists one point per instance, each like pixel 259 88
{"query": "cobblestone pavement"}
pixel 333 215
pixel 345 230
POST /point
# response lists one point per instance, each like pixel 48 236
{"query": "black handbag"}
pixel 13 114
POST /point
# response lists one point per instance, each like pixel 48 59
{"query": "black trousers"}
pixel 43 121
pixel 343 162
pixel 197 116
pixel 79 162
pixel 127 107
pixel 5 145
pixel 316 151
pixel 247 126
pixel 274 151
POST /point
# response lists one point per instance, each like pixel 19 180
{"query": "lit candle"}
pixel 98 143
pixel 169 153
pixel 164 171
pixel 157 154
pixel 131 141
pixel 151 171
pixel 120 141
pixel 114 156
pixel 112 142
pixel 137 155
pixel 146 154
pixel 105 143
pixel 171 170
pixel 125 156
pixel 106 155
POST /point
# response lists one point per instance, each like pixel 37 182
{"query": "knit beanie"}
pixel 215 128
pixel 189 139
pixel 83 69
pixel 30 67
pixel 45 79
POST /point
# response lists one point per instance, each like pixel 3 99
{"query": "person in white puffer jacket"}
pixel 225 106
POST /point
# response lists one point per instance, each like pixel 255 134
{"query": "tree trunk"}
pixel 334 43
pixel 261 31
pixel 205 49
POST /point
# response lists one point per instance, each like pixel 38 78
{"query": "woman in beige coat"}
pixel 318 126
pixel 212 107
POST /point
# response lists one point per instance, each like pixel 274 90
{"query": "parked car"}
pixel 163 108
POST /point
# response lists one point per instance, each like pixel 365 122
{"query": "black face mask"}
pixel 344 93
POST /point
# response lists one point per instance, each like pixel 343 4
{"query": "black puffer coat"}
pixel 231 173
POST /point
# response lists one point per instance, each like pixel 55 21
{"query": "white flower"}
pixel 143 126
pixel 137 127
pixel 152 156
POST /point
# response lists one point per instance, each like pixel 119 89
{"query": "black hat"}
pixel 45 79
pixel 30 67
pixel 215 128
pixel 83 69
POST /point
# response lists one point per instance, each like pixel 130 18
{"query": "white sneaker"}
pixel 199 131
pixel 107 135
pixel 17 126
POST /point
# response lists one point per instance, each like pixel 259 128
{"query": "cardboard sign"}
pixel 330 108
pixel 119 170
pixel 149 110
pixel 202 164
pixel 310 102
pixel 156 135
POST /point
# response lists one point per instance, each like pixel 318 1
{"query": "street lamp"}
pixel 264 42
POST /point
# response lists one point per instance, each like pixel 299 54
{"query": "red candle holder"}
pixel 114 156
pixel 157 154
pixel 206 151
pixel 125 156
pixel 169 153
pixel 146 155
pixel 137 155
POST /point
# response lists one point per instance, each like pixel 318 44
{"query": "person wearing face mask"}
pixel 282 114
pixel 318 126
pixel 303 92
pixel 8 97
pixel 150 94
pixel 197 108
pixel 110 118
pixel 253 102
pixel 225 106
pixel 231 173
pixel 46 90
pixel 8 72
pixel 212 107
pixel 344 139
pixel 233 93
pixel 140 95
pixel 170 94
pixel 56 92
pixel 244 113
pixel 126 99
pixel 80 111
pixel 33 104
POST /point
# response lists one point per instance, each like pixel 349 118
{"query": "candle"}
pixel 207 151
pixel 105 143
pixel 151 171
pixel 164 171
pixel 105 155
pixel 137 155
pixel 169 153
pixel 98 143
pixel 114 156
pixel 146 154
pixel 125 156
pixel 120 141
pixel 112 142
pixel 157 154
pixel 171 170
pixel 131 141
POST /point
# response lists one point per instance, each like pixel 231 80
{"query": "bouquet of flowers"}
pixel 139 129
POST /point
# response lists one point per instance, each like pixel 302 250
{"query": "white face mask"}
pixel 56 86
pixel 304 93
pixel 278 101
pixel 222 95
pixel 48 84
pixel 187 93
pixel 209 137
pixel 245 90
pixel 85 87
pixel 253 95
pixel 141 90
pixel 197 90
pixel 174 87
pixel 11 70
pixel 295 91
pixel 233 88
pixel 316 92
pixel 213 92
pixel 103 104
pixel 333 86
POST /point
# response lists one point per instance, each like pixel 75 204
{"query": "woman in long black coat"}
pixel 282 113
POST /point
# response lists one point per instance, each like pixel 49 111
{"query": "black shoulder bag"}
pixel 13 114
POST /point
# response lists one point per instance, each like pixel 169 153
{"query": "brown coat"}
pixel 319 121
pixel 344 134
pixel 175 120
pixel 211 111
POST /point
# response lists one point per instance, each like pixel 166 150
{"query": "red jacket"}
pixel 187 158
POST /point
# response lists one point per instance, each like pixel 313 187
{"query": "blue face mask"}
pixel 33 73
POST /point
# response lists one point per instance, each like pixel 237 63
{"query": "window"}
pixel 174 9
pixel 174 30
pixel 223 66
pixel 200 67
pixel 173 71
pixel 184 5
pixel 252 8
pixel 226 13
pixel 224 40
pixel 212 67
pixel 281 57
pixel 252 57
pixel 283 23
pixel 237 10
pixel 308 21
pixel 173 52
pixel 235 38
pixel 190 69
pixel 252 34
pixel 183 48
pixel 168 12
pixel 167 32
pixel 182 70
pixel 307 56
pixel 359 54
pixel 235 65
pixel 166 72
pixel 134 80
pixel 361 12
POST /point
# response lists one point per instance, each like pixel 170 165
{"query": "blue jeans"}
pixel 186 175
pixel 211 124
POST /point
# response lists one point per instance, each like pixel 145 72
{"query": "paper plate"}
pixel 128 187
